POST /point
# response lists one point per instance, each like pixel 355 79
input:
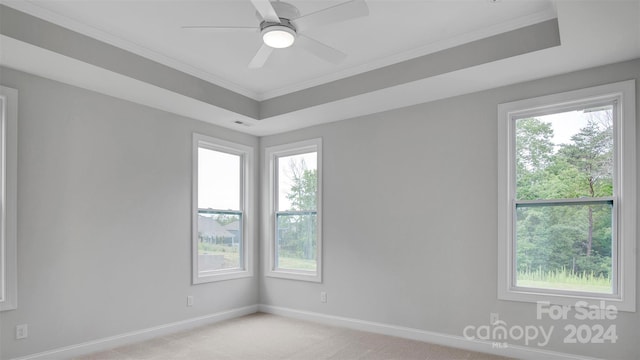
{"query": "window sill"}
pixel 567 299
pixel 221 276
pixel 295 275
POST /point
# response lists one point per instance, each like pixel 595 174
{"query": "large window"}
pixel 221 230
pixel 295 242
pixel 8 193
pixel 567 207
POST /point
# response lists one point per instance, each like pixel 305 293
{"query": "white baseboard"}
pixel 515 351
pixel 139 335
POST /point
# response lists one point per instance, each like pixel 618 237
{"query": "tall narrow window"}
pixel 220 223
pixel 570 175
pixel 8 194
pixel 295 183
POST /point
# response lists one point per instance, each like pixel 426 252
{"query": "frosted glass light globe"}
pixel 278 36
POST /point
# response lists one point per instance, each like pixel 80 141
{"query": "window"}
pixel 221 225
pixel 567 200
pixel 8 194
pixel 295 241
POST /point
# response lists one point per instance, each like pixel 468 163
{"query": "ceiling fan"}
pixel 281 25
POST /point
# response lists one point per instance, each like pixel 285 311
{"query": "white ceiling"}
pixel 592 33
pixel 393 28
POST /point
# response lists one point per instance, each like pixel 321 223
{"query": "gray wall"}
pixel 104 196
pixel 409 211
pixel 409 218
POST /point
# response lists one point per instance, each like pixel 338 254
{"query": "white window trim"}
pixel 271 154
pixel 625 134
pixel 246 202
pixel 8 191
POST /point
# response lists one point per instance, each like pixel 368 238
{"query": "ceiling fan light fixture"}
pixel 278 36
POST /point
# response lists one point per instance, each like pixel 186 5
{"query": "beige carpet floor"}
pixel 269 337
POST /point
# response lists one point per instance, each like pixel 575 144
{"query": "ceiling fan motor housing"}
pixel 285 23
pixel 283 34
pixel 284 10
pixel 278 35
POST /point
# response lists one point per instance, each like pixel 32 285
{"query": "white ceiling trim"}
pixel 417 52
pixel 30 8
pixel 32 59
pixel 45 14
pixel 48 64
pixel 570 56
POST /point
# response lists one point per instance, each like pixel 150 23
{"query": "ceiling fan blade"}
pixel 321 50
pixel 219 28
pixel 341 12
pixel 266 10
pixel 261 57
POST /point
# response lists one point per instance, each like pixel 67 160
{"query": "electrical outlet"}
pixel 494 318
pixel 189 300
pixel 323 296
pixel 22 331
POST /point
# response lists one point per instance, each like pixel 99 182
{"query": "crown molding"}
pixel 33 9
pixel 414 53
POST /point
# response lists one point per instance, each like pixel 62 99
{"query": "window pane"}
pixel 565 155
pixel 297 182
pixel 566 247
pixel 296 241
pixel 218 180
pixel 219 240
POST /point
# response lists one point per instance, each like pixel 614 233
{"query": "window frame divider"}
pixel 271 154
pixel 622 95
pixel 247 179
